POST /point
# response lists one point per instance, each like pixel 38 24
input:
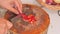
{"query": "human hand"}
pixel 8 4
pixel 4 26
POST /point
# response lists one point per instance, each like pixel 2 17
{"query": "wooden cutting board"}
pixel 21 26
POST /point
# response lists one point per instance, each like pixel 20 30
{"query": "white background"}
pixel 54 27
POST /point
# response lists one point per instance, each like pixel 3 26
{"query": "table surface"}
pixel 54 27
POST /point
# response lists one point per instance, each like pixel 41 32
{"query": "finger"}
pixel 3 27
pixel 10 8
pixel 19 5
pixel 9 24
pixel 6 22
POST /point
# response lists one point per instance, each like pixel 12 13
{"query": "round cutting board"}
pixel 21 26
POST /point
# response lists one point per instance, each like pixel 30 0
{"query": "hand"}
pixel 8 4
pixel 4 26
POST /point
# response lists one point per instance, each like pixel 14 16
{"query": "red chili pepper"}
pixel 30 18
